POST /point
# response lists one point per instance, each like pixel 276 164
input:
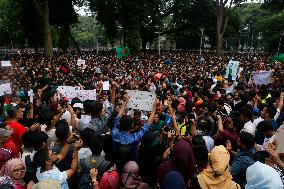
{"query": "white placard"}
pixel 279 137
pixel 87 95
pixel 141 100
pixel 6 63
pixel 5 89
pixel 232 69
pixel 67 91
pixel 262 77
pixel 106 85
pixel 81 63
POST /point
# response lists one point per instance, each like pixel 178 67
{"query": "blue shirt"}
pixel 125 138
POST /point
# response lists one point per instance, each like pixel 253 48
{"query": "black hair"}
pixel 75 100
pixel 88 105
pixel 40 158
pixel 6 186
pixel 271 111
pixel 86 135
pixel 198 140
pixel 12 112
pixel 96 145
pixel 201 154
pixel 247 113
pixel 45 116
pixel 247 139
pixel 62 129
pixel 265 126
pixel 27 139
pixel 126 122
pixel 96 109
pixel 123 155
pixel 38 139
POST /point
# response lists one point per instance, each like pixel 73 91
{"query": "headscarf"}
pixel 8 168
pixel 183 161
pixel 262 176
pixel 217 174
pixel 173 180
pixel 47 184
pixel 181 106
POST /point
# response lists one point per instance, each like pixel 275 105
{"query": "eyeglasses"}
pixel 21 170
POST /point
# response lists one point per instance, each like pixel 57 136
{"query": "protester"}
pixel 176 141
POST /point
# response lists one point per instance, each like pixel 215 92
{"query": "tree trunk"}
pixel 222 22
pixel 220 40
pixel 48 48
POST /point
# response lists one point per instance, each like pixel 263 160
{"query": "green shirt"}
pixel 157 126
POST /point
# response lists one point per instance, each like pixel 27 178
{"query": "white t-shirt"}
pixel 67 117
pixel 249 127
pixel 257 121
pixel 84 122
pixel 50 133
pixel 84 153
pixel 54 174
pixel 25 154
pixel 209 143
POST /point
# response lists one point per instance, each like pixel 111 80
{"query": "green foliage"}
pixel 134 38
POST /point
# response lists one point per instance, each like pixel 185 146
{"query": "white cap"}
pixel 78 105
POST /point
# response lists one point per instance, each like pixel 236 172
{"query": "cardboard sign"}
pixel 279 137
pixel 6 63
pixel 81 63
pixel 87 95
pixel 232 70
pixel 106 85
pixel 141 100
pixel 5 89
pixel 262 77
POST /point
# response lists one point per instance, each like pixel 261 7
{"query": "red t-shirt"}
pixel 10 145
pixel 18 131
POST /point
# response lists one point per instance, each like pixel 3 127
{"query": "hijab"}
pixel 217 174
pixel 8 168
pixel 262 176
pixel 182 161
pixel 181 106
pixel 173 180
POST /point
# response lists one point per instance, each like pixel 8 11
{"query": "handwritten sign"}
pixel 81 63
pixel 72 92
pixel 106 85
pixel 5 89
pixel 141 100
pixel 6 64
pixel 262 77
pixel 232 70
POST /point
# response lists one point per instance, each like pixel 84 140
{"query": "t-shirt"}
pixel 18 131
pixel 84 122
pixel 249 127
pixel 10 145
pixel 54 174
pixel 209 143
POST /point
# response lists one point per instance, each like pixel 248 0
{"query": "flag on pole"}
pixel 122 52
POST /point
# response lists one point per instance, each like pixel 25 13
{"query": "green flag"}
pixel 278 58
pixel 122 52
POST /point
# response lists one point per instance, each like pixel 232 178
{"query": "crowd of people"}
pixel 205 131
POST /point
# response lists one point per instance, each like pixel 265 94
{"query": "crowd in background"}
pixel 204 131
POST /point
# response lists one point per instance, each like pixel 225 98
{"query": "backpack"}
pixel 97 162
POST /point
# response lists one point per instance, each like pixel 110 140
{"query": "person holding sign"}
pixel 121 131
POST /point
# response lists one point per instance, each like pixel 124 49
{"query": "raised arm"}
pixel 112 92
pixel 73 120
pixel 155 107
pixel 74 163
pixel 220 124
pixel 123 107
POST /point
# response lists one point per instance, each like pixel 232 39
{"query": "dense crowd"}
pixel 204 131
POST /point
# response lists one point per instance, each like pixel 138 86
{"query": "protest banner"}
pixel 5 89
pixel 232 70
pixel 106 85
pixel 6 63
pixel 262 77
pixel 72 92
pixel 81 63
pixel 87 94
pixel 141 100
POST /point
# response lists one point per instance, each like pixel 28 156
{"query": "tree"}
pixel 43 10
pixel 223 8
